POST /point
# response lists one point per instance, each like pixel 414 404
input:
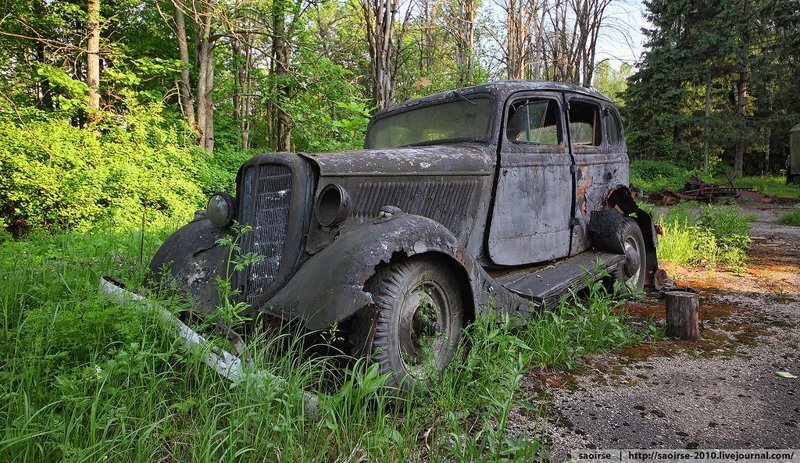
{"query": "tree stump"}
pixel 683 317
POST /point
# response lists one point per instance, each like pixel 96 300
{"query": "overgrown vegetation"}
pixel 652 176
pixel 84 380
pixel 791 218
pixel 704 236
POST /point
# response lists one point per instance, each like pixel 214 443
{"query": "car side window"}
pixel 612 129
pixel 584 124
pixel 534 121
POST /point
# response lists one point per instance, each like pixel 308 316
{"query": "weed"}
pixel 791 218
pixel 704 236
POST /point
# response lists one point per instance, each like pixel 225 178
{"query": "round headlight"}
pixel 333 205
pixel 220 209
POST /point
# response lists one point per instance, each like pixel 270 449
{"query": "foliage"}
pixel 725 45
pixel 84 380
pixel 652 176
pixel 57 175
pixel 705 237
pixel 791 218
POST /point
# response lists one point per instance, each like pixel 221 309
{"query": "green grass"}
pixel 791 218
pixel 82 380
pixel 774 185
pixel 653 176
pixel 704 236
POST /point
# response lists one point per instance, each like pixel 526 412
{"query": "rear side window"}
pixel 612 129
pixel 584 124
pixel 534 121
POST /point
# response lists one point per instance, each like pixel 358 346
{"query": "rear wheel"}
pixel 626 238
pixel 417 322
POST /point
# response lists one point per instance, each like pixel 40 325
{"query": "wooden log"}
pixel 683 315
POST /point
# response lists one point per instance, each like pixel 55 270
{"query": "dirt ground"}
pixel 720 392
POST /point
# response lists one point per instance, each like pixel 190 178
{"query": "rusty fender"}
pixel 194 260
pixel 329 287
pixel 621 198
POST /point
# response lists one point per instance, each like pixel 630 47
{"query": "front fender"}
pixel 191 259
pixel 329 287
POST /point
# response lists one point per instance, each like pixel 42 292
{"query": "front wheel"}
pixel 417 321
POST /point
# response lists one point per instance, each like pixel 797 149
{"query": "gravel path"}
pixel 720 392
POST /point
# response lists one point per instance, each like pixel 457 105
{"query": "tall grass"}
pixel 705 236
pixel 791 218
pixel 82 380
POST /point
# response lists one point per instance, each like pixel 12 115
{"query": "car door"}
pixel 533 198
pixel 598 148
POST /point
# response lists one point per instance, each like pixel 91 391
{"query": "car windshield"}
pixel 454 121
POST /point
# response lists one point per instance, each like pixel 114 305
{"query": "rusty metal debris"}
pixel 696 189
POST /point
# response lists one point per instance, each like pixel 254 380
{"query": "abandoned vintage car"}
pixel 498 197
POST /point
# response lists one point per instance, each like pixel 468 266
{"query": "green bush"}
pixel 654 176
pixel 57 175
pixel 704 237
pixel 791 218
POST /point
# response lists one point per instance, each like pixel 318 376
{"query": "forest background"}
pixel 118 112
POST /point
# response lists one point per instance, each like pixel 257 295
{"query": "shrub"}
pixel 656 175
pixel 706 237
pixel 791 218
pixel 57 175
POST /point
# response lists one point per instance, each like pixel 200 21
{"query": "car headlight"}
pixel 220 209
pixel 333 205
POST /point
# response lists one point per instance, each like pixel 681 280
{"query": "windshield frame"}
pixel 450 97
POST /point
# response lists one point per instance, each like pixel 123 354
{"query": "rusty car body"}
pixel 497 197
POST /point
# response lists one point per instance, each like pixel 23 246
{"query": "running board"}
pixel 544 286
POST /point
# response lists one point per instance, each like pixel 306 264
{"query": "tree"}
pixel 384 44
pixel 93 54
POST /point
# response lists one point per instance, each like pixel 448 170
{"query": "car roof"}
pixel 502 89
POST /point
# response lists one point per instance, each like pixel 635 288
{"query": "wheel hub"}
pixel 632 261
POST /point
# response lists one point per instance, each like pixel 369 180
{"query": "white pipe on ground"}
pixel 222 361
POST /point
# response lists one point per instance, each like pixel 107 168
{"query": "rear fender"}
pixel 329 287
pixel 622 199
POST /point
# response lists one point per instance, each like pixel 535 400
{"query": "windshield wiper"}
pixel 464 98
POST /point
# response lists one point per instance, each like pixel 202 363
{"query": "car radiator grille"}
pixel 265 196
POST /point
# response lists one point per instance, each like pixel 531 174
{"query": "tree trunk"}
pixel 379 16
pixel 707 122
pixel 93 55
pixel 280 58
pixel 185 84
pixel 205 84
pixel 741 112
pixel 683 319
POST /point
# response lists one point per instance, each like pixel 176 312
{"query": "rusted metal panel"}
pixel 530 221
pixel 329 286
pixel 191 259
pixel 599 169
pixel 462 159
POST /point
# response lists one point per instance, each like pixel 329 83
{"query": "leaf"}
pixel 785 374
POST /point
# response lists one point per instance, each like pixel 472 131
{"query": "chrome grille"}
pixel 266 191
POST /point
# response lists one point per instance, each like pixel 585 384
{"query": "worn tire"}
pixel 400 333
pixel 625 237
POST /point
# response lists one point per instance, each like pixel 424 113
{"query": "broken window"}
pixel 584 124
pixel 535 122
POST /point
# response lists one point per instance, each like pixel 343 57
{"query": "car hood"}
pixel 437 160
